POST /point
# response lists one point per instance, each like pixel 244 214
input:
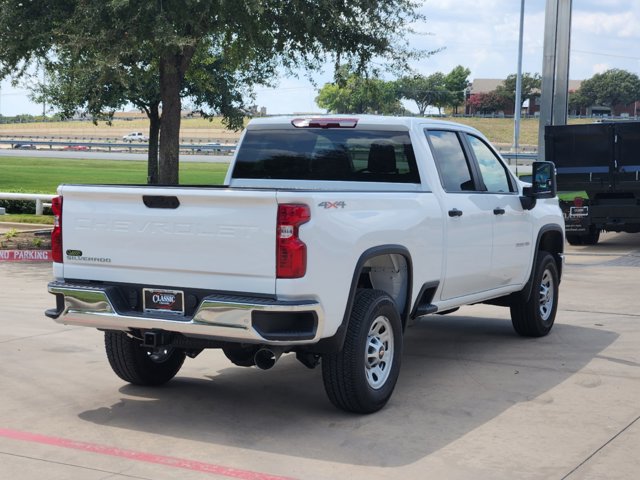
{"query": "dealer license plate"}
pixel 155 300
pixel 579 212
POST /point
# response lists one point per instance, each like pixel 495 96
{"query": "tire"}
pixel 361 377
pixel 241 356
pixel 535 317
pixel 591 238
pixel 573 239
pixel 139 365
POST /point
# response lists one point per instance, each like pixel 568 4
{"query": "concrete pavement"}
pixel 474 401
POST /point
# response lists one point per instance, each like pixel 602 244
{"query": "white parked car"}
pixel 135 137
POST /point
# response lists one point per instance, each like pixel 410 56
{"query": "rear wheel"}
pixel 138 365
pixel 361 377
pixel 574 239
pixel 534 317
pixel 592 237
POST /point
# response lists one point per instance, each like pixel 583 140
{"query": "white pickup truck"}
pixel 327 237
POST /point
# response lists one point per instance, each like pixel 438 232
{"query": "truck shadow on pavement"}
pixel 458 373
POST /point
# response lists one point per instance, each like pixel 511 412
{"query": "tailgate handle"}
pixel 158 201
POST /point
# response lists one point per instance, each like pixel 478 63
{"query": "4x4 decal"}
pixel 328 205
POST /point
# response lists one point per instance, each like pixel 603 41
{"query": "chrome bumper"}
pixel 218 317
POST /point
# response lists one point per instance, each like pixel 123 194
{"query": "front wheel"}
pixel 361 377
pixel 535 316
pixel 138 365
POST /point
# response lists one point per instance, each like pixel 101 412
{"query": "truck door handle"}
pixel 498 211
pixel 455 213
pixel 160 201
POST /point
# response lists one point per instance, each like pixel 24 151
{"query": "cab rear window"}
pixel 327 154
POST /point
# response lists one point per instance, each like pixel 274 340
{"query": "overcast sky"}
pixel 481 35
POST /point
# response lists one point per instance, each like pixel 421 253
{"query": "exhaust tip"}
pixel 266 358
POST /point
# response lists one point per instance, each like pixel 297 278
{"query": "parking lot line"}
pixel 138 456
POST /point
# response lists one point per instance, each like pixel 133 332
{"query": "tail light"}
pixel 56 234
pixel 291 255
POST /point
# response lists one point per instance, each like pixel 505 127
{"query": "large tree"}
pixel 610 88
pixel 352 92
pixel 88 85
pixel 424 90
pixel 171 32
pixel 530 88
pixel 457 83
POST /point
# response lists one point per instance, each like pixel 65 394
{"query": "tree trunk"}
pixel 154 134
pixel 173 66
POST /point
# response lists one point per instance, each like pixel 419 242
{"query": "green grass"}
pixel 570 196
pixel 24 218
pixel 500 130
pixel 43 175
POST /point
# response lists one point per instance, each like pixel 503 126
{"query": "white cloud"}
pixel 599 24
pixel 600 67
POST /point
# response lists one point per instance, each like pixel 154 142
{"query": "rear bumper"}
pixel 217 317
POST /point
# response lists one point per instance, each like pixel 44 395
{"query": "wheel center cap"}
pixel 381 353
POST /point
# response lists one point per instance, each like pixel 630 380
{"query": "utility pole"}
pixel 555 67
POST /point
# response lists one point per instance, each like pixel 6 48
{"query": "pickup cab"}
pixel 328 236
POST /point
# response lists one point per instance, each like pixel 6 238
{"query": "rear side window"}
pixel 453 167
pixel 327 154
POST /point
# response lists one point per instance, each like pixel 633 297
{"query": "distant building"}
pixel 531 106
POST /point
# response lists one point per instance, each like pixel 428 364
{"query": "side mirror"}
pixel 544 180
pixel 543 177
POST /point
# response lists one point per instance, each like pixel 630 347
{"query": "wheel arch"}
pixel 550 239
pixel 387 267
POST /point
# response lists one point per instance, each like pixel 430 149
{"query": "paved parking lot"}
pixel 474 401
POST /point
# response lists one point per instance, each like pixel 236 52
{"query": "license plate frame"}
pixel 579 212
pixel 163 300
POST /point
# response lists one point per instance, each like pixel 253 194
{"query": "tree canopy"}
pixel 530 87
pixel 610 88
pixel 424 90
pixel 185 45
pixel 354 93
pixel 457 83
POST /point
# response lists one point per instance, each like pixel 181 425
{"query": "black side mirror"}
pixel 544 180
pixel 543 177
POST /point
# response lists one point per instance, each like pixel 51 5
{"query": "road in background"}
pixel 184 157
pixel 474 401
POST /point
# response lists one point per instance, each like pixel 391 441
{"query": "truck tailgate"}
pixel 210 238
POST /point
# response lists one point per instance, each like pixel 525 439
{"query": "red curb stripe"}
pixel 138 456
pixel 25 256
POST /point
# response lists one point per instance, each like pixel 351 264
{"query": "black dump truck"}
pixel 600 164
